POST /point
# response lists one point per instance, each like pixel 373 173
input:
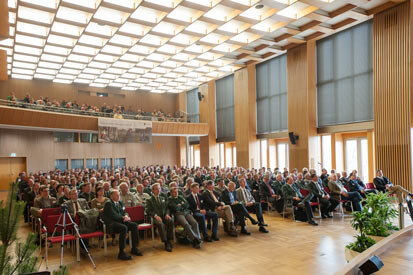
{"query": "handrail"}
pixel 22 104
pixel 353 266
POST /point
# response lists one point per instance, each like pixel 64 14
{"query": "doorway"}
pixel 9 170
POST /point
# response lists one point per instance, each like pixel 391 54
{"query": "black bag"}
pixel 300 214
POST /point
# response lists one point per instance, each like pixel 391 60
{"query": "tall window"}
pixel 120 162
pixel 92 163
pixel 263 150
pixel 76 163
pixel 197 156
pixel 345 76
pixel 221 155
pixel 191 156
pixel 273 156
pixel 234 156
pixel 224 91
pixel 271 81
pixel 61 164
pixel 282 150
pixel 228 155
pixel 326 149
pixel 192 109
pixel 356 157
pixel 106 163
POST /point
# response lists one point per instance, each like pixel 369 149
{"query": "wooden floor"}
pixel 289 248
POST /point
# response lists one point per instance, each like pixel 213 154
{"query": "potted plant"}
pixel 381 213
pixel 360 222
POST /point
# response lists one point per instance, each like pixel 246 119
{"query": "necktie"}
pixel 197 202
pixel 269 187
pixel 213 196
pixel 76 207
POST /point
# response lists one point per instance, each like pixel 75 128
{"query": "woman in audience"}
pixel 100 200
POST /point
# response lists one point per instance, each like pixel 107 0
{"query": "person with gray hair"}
pixel 126 197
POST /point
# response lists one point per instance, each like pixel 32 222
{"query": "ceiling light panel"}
pixel 32 29
pixel 56 50
pixel 49 65
pixel 27 50
pixel 85 50
pixel 201 27
pixel 92 71
pixel 183 57
pixel 43 76
pixel 297 10
pixel 35 15
pixel 99 65
pixel 134 29
pixel 146 64
pixel 72 15
pixel 114 84
pixel 259 14
pixel 245 37
pixel 199 49
pixel 209 56
pixel 130 4
pixel 63 81
pixel 165 3
pixel 12 4
pixel 95 28
pixel 69 71
pixel 87 76
pixel 157 57
pixel 106 58
pixel 108 76
pixel 52 58
pixel 61 40
pixel 234 26
pixel 79 58
pixel 123 40
pixel 99 85
pixel 167 28
pixel 92 40
pixel 140 49
pixel 82 81
pixel 148 15
pixel 51 4
pixel 21 76
pixel 227 48
pixel 22 71
pixel 131 57
pixel 153 40
pixel 222 13
pixel 7 42
pixel 24 65
pixel 122 64
pixel 138 70
pixel 170 49
pixel 184 39
pixel 184 14
pixel 74 65
pixel 26 58
pixel 46 71
pixel 111 15
pixel 66 29
pixel 113 50
pixel 91 4
pixel 248 3
pixel 205 3
pixel 214 38
pixel 269 25
pixel 115 71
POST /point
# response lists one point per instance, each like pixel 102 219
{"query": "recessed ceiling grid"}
pixel 163 45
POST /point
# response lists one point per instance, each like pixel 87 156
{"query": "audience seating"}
pixel 317 204
pixel 43 219
pixel 97 234
pixel 137 214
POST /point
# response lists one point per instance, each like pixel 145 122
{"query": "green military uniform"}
pixel 179 207
pixel 158 206
pixel 128 199
pixel 42 203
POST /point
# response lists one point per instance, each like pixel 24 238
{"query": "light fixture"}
pixel 43 76
pixel 21 76
pixel 49 65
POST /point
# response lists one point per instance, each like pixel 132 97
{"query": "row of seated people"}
pixel 117 111
pixel 232 196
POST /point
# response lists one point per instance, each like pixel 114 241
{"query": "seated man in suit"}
pixel 381 182
pixel 246 198
pixel 389 187
pixel 29 195
pixel 199 212
pixel 327 204
pixel 338 191
pixel 300 182
pixel 220 187
pixel 86 192
pixel 75 204
pixel 355 186
pixel 43 201
pixel 66 195
pixel 157 208
pixel 229 197
pixel 268 193
pixel 212 203
pixel 178 207
pixel 118 221
pixel 293 196
pixel 126 197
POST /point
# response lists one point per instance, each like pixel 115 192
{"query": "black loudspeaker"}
pixel 293 138
pixel 372 265
pixel 39 273
pixel 200 96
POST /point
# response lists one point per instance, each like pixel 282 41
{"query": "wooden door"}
pixel 9 170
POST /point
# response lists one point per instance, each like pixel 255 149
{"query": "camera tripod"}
pixel 65 213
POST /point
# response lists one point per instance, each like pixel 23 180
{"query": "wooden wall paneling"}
pixel 371 155
pixel 4 20
pixel 333 152
pixel 301 91
pixel 207 115
pixel 247 145
pixel 3 64
pixel 393 93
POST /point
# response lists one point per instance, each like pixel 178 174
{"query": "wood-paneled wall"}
pixel 301 99
pixel 132 99
pixel 3 66
pixel 181 141
pixel 245 117
pixel 41 151
pixel 4 20
pixel 392 93
pixel 208 144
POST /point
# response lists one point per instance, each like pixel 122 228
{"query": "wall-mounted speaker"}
pixel 371 266
pixel 293 138
pixel 200 96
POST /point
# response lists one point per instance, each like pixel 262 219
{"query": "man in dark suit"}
pixel 268 193
pixel 381 182
pixel 212 203
pixel 229 197
pixel 118 221
pixel 86 192
pixel 157 208
pixel 75 204
pixel 327 204
pixel 196 205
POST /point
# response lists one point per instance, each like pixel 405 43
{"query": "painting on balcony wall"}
pixel 123 131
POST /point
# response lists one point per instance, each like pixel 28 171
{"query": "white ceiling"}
pixel 162 45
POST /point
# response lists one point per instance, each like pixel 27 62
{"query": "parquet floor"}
pixel 289 248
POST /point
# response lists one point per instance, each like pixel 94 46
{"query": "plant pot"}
pixel 376 238
pixel 350 254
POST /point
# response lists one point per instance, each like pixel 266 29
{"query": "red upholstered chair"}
pixel 137 214
pixel 49 228
pixel 305 193
pixel 96 234
pixel 42 221
pixel 370 186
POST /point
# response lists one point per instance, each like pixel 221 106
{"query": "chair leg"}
pixel 130 239
pixel 77 250
pixel 153 236
pixel 47 258
pixel 105 245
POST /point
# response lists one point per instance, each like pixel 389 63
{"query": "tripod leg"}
pixel 77 250
pixel 47 248
pixel 63 239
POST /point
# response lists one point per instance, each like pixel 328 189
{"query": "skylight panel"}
pixel 12 18
pixel 214 38
pixel 131 57
pixel 92 71
pixel 35 15
pixel 79 58
pixel 49 65
pixel 85 50
pixel 201 27
pixel 21 76
pixel 51 4
pixel 153 40
pixel 184 39
pixel 56 50
pixel 46 71
pixel 148 15
pixel 123 40
pixel 22 71
pixel 222 13
pixel 157 57
pixel 87 76
pixel 105 57
pixel 99 85
pixel 135 29
pixel 32 29
pixel 74 65
pixel 234 26
pixel 62 28
pixel 26 58
pixel 130 4
pixel 69 71
pixel 171 49
pixel 122 64
pixel 108 76
pixel 111 15
pixel 167 28
pixel 72 15
pixel 61 40
pixel 92 40
pixel 99 65
pixel 82 81
pixel 113 49
pixel 96 28
pixel 43 76
pixel 62 81
pixel 141 49
pixel 91 4
pixel 27 50
pixel 24 65
pixel 53 58
pixel 184 14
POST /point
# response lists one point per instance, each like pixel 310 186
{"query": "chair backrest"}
pixel 370 185
pixel 348 189
pixel 136 213
pixel 327 190
pixel 304 192
pixel 49 211
pixel 51 223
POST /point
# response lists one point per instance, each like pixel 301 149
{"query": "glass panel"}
pixel 106 163
pixel 351 155
pixel 234 155
pixel 120 162
pixel 191 156
pixel 326 147
pixel 64 137
pixel 76 163
pixel 282 156
pixel 272 157
pixel 221 155
pixel 228 156
pixel 364 175
pixel 92 163
pixel 61 164
pixel 197 157
pixel 88 137
pixel 263 153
